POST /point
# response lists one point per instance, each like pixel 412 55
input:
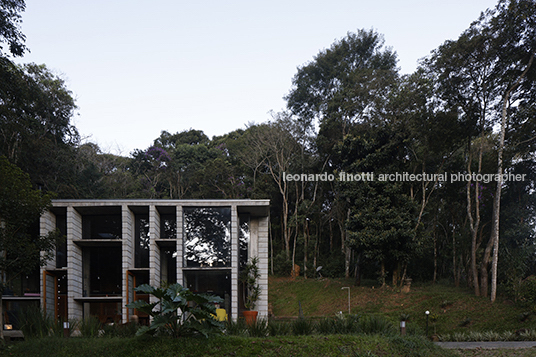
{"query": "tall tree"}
pixel 10 33
pixel 20 207
pixel 36 132
pixel 515 31
pixel 344 85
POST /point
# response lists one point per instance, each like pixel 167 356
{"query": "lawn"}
pixel 452 309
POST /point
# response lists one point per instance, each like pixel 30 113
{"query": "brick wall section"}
pixel 234 261
pixel 180 246
pixel 154 250
pixel 262 246
pixel 74 263
pixel 127 231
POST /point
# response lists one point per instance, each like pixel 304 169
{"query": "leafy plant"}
pixel 181 312
pixel 249 277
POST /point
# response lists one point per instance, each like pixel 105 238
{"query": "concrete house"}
pixel 113 246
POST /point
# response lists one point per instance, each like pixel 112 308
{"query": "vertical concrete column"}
pixel 235 261
pixel 74 263
pixel 154 250
pixel 180 246
pixel 262 246
pixel 127 244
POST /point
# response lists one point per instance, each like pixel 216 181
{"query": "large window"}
pixel 207 237
pixel 61 248
pixel 168 226
pixel 215 282
pixel 104 265
pixel 101 226
pixel 141 250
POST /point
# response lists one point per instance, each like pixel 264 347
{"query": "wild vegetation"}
pixel 329 162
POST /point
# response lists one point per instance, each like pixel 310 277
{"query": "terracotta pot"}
pixel 250 316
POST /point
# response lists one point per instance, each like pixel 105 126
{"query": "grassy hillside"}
pixel 453 309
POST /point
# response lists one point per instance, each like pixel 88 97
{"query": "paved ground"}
pixel 487 345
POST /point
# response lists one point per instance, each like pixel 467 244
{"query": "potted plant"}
pixel 252 291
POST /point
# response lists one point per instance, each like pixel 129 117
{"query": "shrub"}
pixel 376 324
pixel 258 329
pixel 34 322
pixel 90 327
pixel 527 292
pixel 279 328
pixel 235 328
pixel 302 326
pixel 282 266
pixel 180 313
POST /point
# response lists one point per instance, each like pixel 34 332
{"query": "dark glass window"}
pixel 141 250
pixel 104 270
pixel 61 249
pixel 168 265
pixel 207 237
pixel 101 226
pixel 243 238
pixel 215 282
pixel 168 226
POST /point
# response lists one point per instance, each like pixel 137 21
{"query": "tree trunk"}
pixel 484 267
pixel 498 191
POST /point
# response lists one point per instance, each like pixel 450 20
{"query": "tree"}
pixel 385 230
pixel 515 26
pixel 20 208
pixel 345 85
pixel 274 150
pixel 485 73
pixel 10 33
pixel 36 132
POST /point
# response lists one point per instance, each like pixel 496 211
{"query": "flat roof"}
pixel 257 207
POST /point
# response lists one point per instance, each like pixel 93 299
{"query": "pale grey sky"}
pixel 139 67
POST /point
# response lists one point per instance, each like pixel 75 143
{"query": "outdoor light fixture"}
pixel 66 329
pixel 347 287
pixel 427 314
pixel 8 327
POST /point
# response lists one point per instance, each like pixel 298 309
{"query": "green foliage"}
pixel 20 207
pixel 10 34
pixel 527 292
pixel 90 327
pixel 376 324
pixel 250 278
pixel 179 311
pixel 258 329
pixel 297 346
pixel 36 132
pixel 279 328
pixel 36 323
pixel 282 266
pixel 302 326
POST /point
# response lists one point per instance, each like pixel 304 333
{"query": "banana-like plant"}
pixel 179 311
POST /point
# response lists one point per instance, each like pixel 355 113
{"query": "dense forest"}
pixel 371 174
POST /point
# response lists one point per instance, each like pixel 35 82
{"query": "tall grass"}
pixel 338 325
pixel 90 327
pixel 34 322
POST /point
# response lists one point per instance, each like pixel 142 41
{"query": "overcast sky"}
pixel 139 67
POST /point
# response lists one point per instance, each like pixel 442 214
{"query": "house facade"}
pixel 113 246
